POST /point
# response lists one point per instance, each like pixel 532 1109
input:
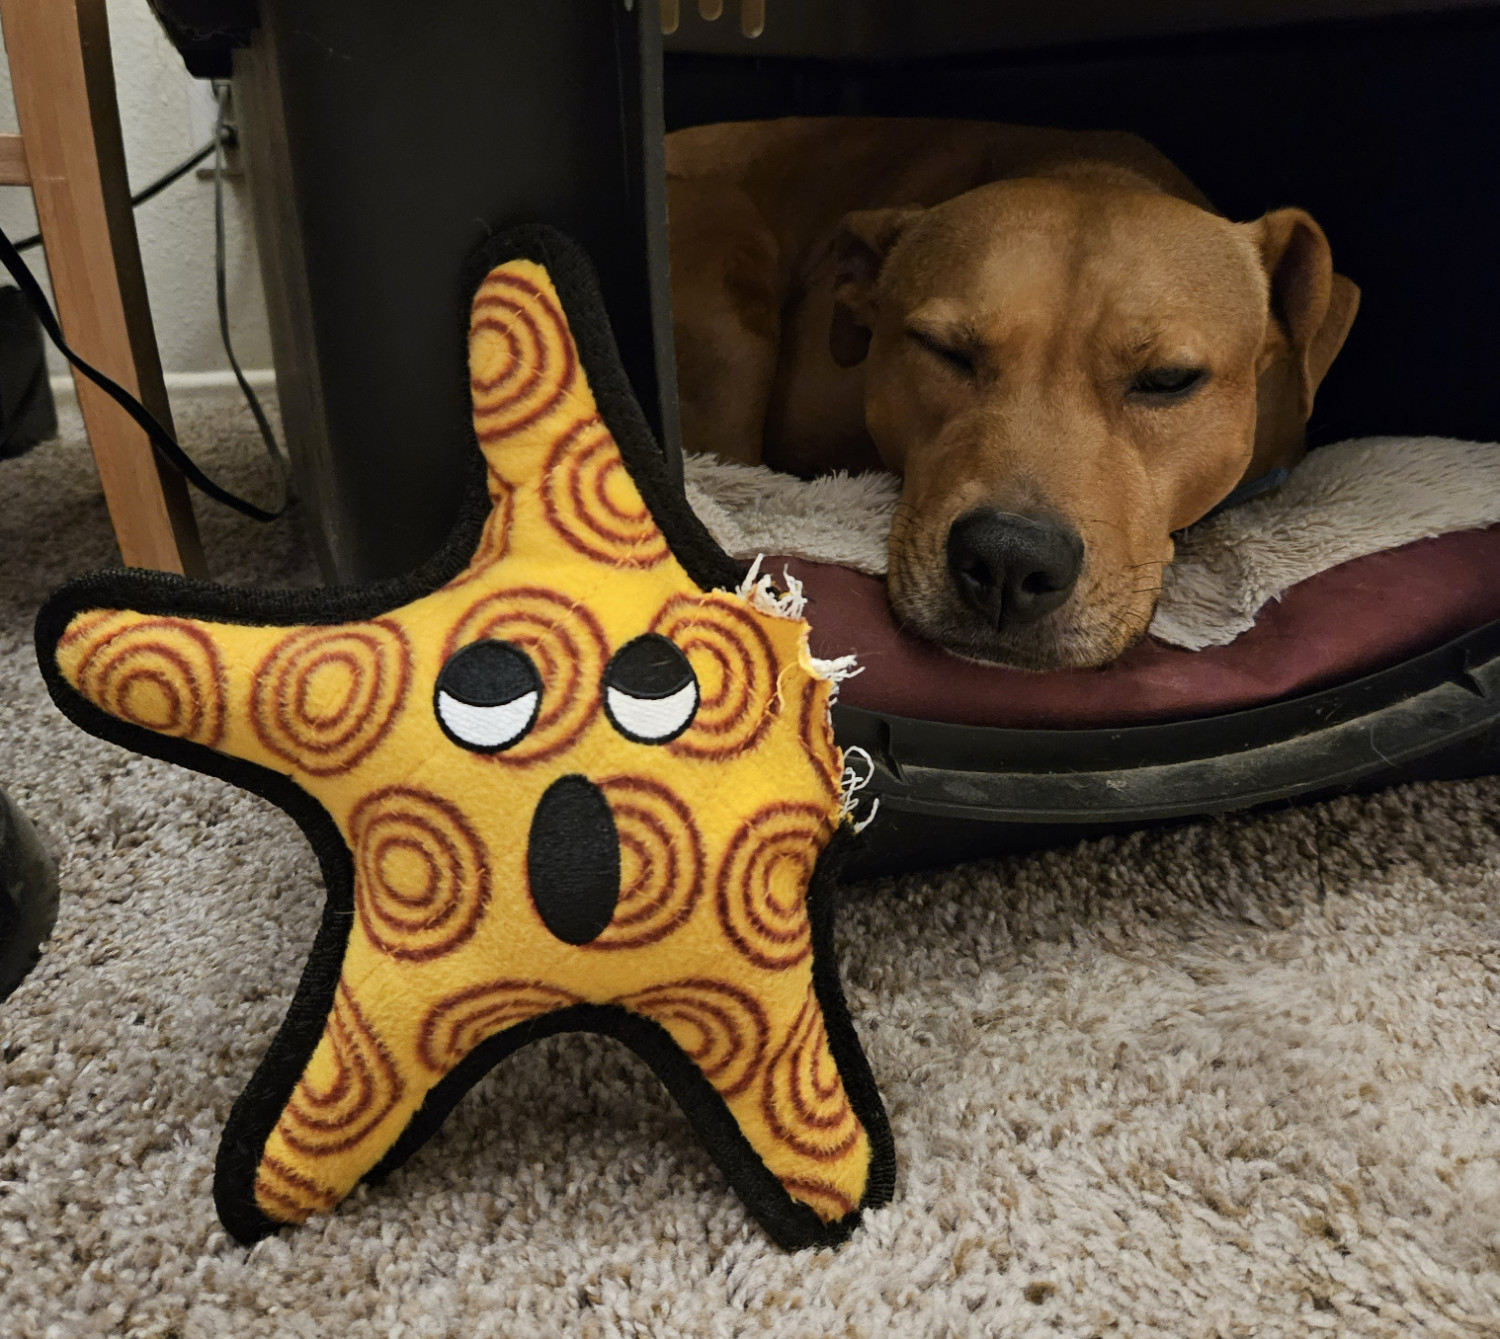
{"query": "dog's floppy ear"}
pixel 864 239
pixel 1314 305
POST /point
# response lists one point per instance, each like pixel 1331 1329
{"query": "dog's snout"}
pixel 1013 569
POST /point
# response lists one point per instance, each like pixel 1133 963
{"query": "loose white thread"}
pixel 851 783
pixel 757 588
pixel 763 596
pixel 835 672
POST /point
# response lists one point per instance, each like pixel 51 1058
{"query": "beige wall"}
pixel 164 115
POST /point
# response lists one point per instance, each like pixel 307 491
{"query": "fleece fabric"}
pixel 1341 502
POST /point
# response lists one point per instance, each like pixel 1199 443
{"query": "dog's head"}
pixel 1066 373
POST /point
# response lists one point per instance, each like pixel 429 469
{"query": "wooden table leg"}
pixel 65 101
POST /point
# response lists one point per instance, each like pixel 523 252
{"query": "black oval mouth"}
pixel 573 860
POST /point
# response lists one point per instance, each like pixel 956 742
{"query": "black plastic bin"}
pixel 28 896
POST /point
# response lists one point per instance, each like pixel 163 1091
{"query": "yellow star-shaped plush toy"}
pixel 576 774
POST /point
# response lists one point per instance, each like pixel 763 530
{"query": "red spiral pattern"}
pixel 761 894
pixel 82 627
pixel 288 1196
pixel 802 1093
pixel 363 1090
pixel 163 674
pixel 421 873
pixel 522 361
pixel 661 862
pixel 457 1023
pixel 591 501
pixel 722 1027
pixel 825 1199
pixel 566 644
pixel 817 736
pixel 737 670
pixel 323 698
pixel 494 539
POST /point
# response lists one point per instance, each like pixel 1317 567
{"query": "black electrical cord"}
pixel 146 192
pixel 160 438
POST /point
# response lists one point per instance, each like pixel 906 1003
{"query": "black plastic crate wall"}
pixel 1387 131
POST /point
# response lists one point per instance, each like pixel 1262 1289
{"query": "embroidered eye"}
pixel 650 690
pixel 487 696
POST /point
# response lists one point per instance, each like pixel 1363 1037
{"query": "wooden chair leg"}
pixel 70 124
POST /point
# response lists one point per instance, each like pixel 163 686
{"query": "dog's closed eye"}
pixel 956 358
pixel 1165 384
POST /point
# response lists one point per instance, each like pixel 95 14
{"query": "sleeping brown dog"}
pixel 1054 339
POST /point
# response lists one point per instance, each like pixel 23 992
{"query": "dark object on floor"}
pixel 28 896
pixel 27 414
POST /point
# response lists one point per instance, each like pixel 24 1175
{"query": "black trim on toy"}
pixel 258 1108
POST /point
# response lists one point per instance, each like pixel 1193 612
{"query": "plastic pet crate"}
pixel 383 140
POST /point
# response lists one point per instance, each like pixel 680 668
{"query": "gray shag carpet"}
pixel 1240 1078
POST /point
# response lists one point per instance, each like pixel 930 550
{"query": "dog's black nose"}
pixel 1010 568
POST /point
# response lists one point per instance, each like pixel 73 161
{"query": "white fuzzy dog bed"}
pixel 1342 502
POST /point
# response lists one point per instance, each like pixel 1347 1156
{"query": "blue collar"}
pixel 1246 492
